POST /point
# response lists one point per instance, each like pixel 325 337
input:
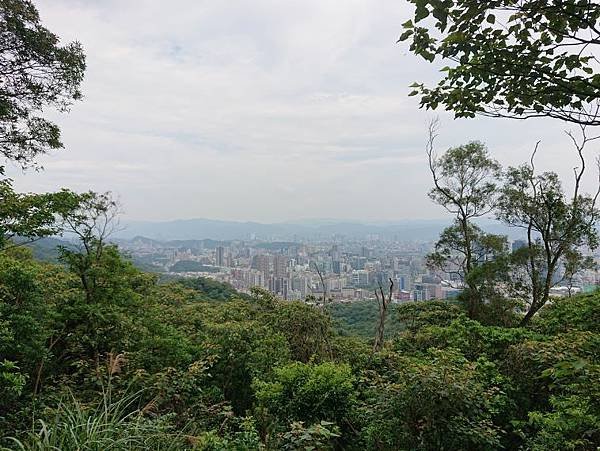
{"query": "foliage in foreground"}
pixel 260 373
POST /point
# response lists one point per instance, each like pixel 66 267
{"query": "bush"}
pixel 574 313
pixel 438 402
pixel 308 392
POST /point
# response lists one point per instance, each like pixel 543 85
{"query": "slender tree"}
pixel 383 303
pixel 92 222
pixel 557 226
pixel 323 284
pixel 464 181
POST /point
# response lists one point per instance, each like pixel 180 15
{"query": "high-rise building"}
pixel 360 278
pixel 280 266
pixel 262 263
pixel 220 256
pixel 336 266
pixel 404 282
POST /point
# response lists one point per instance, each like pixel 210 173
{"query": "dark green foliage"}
pixel 574 313
pixel 210 289
pixel 414 315
pixel 557 388
pixel 28 217
pixel 440 401
pixel 306 329
pixel 208 368
pixel 360 318
pixel 516 59
pixel 37 72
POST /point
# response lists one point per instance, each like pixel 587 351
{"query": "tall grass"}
pixel 110 425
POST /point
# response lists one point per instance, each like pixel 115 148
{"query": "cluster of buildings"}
pixel 341 270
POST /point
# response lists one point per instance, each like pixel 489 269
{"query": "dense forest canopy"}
pixel 96 354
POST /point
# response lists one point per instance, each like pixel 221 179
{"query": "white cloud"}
pixel 257 110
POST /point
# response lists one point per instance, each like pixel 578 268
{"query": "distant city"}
pixel 338 268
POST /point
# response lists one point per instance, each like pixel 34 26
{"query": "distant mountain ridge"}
pixel 200 229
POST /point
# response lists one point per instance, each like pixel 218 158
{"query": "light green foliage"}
pixel 308 392
pixel 111 425
pixel 465 179
pixel 245 438
pixel 572 424
pixel 470 337
pixel 506 58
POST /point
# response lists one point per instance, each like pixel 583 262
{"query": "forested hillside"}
pixel 182 366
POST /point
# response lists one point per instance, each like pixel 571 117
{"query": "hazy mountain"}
pixel 199 229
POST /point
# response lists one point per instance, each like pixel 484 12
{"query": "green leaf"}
pixel 404 36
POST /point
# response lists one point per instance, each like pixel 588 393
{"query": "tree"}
pixel 28 217
pixel 323 284
pixel 557 226
pixel 92 221
pixel 509 58
pixel 464 181
pixel 35 72
pixel 383 305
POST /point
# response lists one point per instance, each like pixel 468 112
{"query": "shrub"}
pixel 308 392
pixel 117 425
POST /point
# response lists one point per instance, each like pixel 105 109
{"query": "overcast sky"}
pixel 258 110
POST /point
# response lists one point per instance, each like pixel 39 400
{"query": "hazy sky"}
pixel 258 110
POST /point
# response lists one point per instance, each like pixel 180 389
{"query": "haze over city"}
pixel 259 111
